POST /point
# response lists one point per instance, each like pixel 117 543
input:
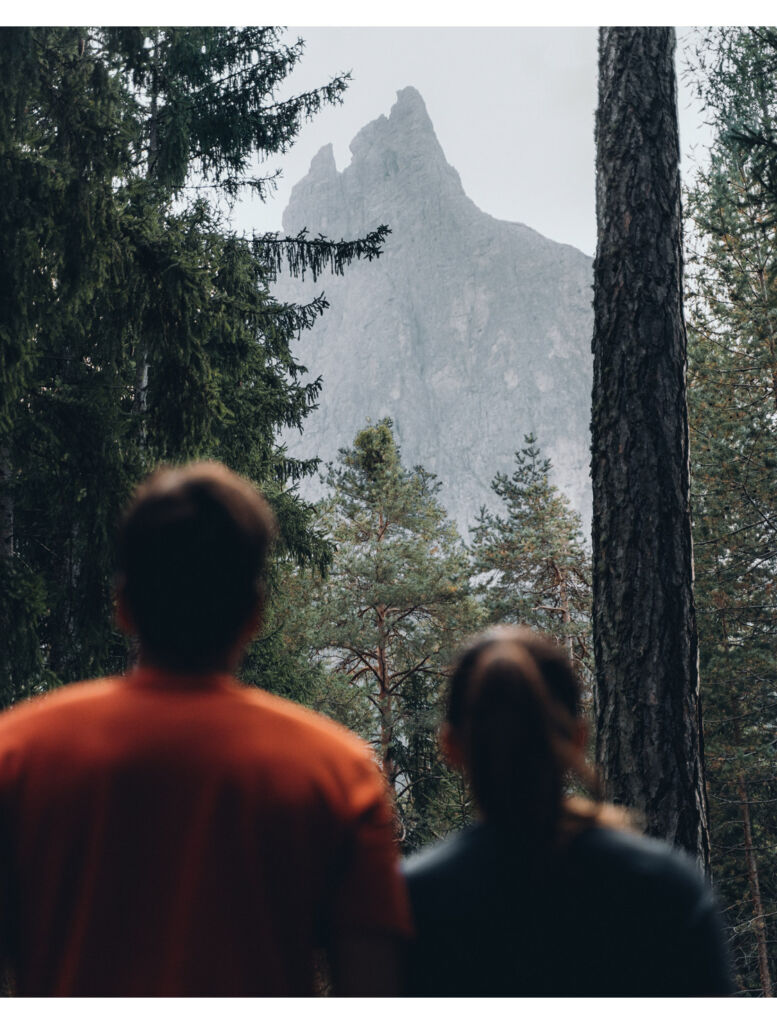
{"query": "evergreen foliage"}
pixel 732 70
pixel 386 620
pixel 531 557
pixel 733 413
pixel 135 326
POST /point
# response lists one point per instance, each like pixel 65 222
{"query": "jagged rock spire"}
pixel 400 151
pixel 469 331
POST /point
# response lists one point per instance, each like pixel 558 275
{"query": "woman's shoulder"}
pixel 625 852
pixel 461 862
pixel 472 874
pixel 633 874
pixel 599 855
pixel 636 913
pixel 446 854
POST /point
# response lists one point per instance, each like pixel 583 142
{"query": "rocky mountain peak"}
pixel 469 332
pixel 392 156
pixel 323 163
pixel 408 122
pixel 410 104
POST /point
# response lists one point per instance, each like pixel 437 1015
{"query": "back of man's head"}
pixel 192 551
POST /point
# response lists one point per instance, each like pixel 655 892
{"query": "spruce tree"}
pixel 387 619
pixel 531 557
pixel 136 327
pixel 63 144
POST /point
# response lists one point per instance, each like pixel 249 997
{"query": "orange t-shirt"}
pixel 162 835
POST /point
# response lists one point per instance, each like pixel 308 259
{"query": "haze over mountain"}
pixel 469 332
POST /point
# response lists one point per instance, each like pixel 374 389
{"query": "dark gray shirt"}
pixel 615 914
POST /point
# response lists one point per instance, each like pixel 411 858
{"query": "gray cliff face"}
pixel 469 332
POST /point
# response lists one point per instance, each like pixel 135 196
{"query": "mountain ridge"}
pixel 469 331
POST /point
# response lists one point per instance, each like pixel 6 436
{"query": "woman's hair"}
pixel 514 705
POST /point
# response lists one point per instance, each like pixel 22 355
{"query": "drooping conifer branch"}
pixel 300 255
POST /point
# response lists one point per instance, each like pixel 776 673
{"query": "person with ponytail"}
pixel 549 893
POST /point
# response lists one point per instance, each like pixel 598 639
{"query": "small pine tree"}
pixel 386 620
pixel 531 559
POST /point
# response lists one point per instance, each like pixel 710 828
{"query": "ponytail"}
pixel 516 778
pixel 514 704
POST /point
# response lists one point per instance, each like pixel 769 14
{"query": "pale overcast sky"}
pixel 513 109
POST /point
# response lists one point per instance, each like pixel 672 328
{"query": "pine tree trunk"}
pixel 385 706
pixel 649 742
pixel 63 653
pixel 759 920
pixel 142 370
pixel 566 617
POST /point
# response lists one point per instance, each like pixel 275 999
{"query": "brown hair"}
pixel 514 704
pixel 192 549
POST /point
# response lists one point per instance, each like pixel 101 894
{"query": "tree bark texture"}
pixel 648 713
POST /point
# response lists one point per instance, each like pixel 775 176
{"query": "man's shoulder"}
pixel 45 708
pixel 305 725
pixel 305 745
pixel 72 709
pixel 55 720
pixel 225 724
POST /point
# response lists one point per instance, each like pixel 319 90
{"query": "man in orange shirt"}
pixel 172 832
